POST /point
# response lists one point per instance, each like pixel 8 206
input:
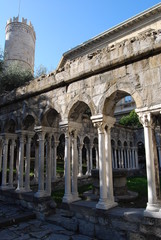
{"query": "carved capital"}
pixel 100 127
pixel 101 121
pixel 147 120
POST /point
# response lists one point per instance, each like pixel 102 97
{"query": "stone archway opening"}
pixel 127 130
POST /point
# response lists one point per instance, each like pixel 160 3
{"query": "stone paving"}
pixel 20 224
pixel 35 229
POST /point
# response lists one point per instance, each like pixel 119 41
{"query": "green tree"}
pixel 131 120
pixel 13 76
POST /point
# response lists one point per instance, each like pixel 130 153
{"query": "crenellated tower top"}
pixel 20 43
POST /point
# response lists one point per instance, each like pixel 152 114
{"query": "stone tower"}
pixel 20 44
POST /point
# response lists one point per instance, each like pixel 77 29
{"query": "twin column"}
pixel 154 202
pixel 71 160
pixel 104 124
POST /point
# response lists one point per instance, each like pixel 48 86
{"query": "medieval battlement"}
pixel 23 20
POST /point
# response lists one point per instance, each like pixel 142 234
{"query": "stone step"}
pixel 64 219
pixel 15 219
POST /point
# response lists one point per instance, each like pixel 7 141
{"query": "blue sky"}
pixel 63 24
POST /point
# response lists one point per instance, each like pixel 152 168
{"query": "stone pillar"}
pixel 116 162
pixel 80 160
pixel 109 173
pixel 4 165
pixel 54 160
pixel 128 158
pixel 125 157
pixel 148 121
pixel 87 159
pixel 105 165
pixel 97 160
pixel 122 158
pixel 27 163
pixel 12 147
pixel 1 154
pixel 41 192
pixel 36 162
pixel 74 166
pixel 20 183
pixel 91 158
pixel 48 166
pixel 67 195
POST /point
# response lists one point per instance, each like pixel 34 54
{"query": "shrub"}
pixel 131 120
pixel 13 76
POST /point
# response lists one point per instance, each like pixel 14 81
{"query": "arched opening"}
pixel 50 118
pixel 28 123
pixel 10 126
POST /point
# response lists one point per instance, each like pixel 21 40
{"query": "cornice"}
pixel 104 37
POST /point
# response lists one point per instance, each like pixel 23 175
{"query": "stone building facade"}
pixel 78 100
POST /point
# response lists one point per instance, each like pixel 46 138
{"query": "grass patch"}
pixel 58 195
pixel 139 185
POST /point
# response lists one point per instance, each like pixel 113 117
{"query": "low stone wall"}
pixel 117 223
pixel 41 207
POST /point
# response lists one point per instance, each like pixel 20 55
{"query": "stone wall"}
pixel 117 223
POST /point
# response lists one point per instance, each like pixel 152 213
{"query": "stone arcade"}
pixel 77 101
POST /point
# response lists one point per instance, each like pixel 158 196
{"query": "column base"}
pixel 19 190
pixel 80 174
pixel 153 207
pixel 68 198
pixel 105 204
pixel 75 197
pixel 40 194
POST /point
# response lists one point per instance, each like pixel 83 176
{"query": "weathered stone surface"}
pixel 86 228
pixel 107 233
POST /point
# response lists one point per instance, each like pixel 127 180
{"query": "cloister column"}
pixel 54 160
pixel 4 164
pixel 109 172
pixel 1 146
pixel 67 195
pixel 148 122
pixel 91 158
pixel 36 162
pixel 20 182
pixel 48 166
pixel 80 160
pixel 87 159
pixel 40 192
pixel 97 160
pixel 74 166
pixel 116 161
pixel 28 161
pixel 12 148
pixel 105 165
